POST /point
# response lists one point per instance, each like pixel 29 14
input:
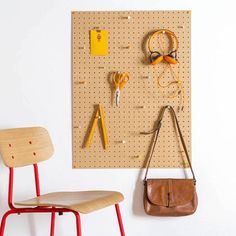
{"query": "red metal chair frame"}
pixel 52 210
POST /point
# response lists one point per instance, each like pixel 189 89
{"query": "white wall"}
pixel 35 89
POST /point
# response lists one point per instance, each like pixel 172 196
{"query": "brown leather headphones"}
pixel 171 57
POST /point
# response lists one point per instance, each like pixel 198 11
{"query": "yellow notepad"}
pixel 98 42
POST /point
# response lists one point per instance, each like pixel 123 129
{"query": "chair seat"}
pixel 83 202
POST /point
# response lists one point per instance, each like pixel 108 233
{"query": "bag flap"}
pixel 170 192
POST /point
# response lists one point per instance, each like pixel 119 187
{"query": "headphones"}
pixel 171 57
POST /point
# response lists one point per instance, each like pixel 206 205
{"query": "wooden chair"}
pixel 29 146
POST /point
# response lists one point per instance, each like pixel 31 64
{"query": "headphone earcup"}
pixel 156 58
pixel 170 59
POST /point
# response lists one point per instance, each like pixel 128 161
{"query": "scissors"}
pixel 119 80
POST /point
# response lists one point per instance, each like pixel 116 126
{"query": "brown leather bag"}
pixel 169 197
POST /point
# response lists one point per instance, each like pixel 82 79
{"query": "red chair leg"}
pixel 3 222
pixel 78 224
pixel 122 231
pixel 52 231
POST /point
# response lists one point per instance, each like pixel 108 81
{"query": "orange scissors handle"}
pixel 120 79
pixel 116 79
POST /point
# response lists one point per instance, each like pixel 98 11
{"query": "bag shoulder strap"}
pixel 156 134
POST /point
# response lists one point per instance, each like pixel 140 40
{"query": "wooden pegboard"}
pixel 141 99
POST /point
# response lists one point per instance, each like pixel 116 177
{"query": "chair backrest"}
pixel 25 146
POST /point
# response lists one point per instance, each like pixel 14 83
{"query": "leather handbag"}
pixel 169 197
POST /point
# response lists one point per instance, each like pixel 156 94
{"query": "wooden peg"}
pixel 126 47
pixel 136 156
pixel 140 107
pixel 101 67
pixel 77 127
pixel 81 47
pixel 82 82
pixel 180 26
pixel 121 141
pixel 126 17
pixel 146 77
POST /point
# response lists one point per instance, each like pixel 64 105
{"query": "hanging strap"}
pixel 156 134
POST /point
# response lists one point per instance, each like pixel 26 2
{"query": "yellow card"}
pixel 98 42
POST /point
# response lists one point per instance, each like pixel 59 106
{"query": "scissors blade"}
pixel 117 97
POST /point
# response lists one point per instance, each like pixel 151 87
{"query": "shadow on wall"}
pixel 138 208
pixel 32 226
pixel 138 195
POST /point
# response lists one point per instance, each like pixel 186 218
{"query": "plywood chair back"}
pixel 25 146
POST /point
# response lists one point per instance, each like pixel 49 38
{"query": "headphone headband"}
pixel 168 33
